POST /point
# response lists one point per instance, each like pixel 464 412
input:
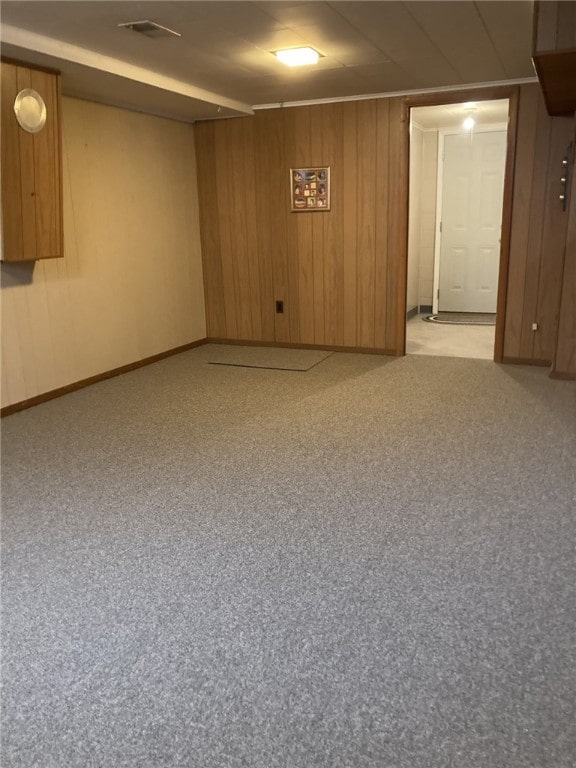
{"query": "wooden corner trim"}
pixel 68 388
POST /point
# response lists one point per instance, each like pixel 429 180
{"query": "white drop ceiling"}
pixel 223 64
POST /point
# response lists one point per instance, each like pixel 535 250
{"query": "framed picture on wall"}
pixel 310 189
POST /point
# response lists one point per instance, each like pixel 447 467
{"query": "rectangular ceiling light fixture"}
pixel 150 28
pixel 297 57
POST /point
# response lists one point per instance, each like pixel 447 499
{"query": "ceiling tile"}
pixel 395 32
pixel 369 46
pixel 509 26
pixel 471 52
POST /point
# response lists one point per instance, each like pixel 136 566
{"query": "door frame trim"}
pixel 442 133
pixel 512 93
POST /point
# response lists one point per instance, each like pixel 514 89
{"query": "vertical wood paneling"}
pixel 290 122
pixel 48 182
pixel 303 223
pixel 317 220
pixel 506 229
pixel 538 231
pixel 553 241
pixel 239 200
pixel 381 235
pixel 223 150
pixel 350 219
pixel 283 267
pixel 11 179
pixel 271 223
pixel 249 186
pixel 523 173
pixel 396 217
pixel 401 190
pixel 333 241
pixel 342 273
pixel 565 351
pixel 31 170
pixel 211 252
pixel 366 220
pixel 338 271
pixel 535 231
pixel 27 170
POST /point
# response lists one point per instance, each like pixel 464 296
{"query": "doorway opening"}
pixel 456 191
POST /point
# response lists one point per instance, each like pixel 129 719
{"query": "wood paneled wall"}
pixel 341 274
pixel 338 272
pixel 564 365
pixel 538 232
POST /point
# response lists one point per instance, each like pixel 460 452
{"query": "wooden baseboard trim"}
pixel 526 361
pixel 66 390
pixel 292 345
pixel 563 375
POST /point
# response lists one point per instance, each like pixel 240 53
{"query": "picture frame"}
pixel 310 189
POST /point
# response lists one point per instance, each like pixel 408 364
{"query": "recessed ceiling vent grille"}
pixel 150 28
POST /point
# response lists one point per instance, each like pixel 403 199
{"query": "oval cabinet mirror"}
pixel 30 110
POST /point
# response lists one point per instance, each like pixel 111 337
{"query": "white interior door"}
pixel 472 194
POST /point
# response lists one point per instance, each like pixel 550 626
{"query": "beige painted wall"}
pixel 130 284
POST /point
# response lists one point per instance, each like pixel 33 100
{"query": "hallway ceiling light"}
pixel 469 121
pixel 296 57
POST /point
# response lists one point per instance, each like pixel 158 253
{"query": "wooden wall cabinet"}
pixel 31 169
pixel 554 54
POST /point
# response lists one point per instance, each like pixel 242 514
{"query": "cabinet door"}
pixel 31 170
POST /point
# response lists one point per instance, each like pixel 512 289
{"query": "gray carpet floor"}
pixel 265 357
pixel 367 565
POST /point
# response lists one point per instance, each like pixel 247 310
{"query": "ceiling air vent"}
pixel 150 28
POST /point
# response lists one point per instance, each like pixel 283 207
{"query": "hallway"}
pixel 473 341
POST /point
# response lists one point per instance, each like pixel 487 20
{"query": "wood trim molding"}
pixel 506 231
pixel 294 345
pixel 525 361
pixel 456 97
pixel 54 393
pixel 510 92
pixel 404 224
